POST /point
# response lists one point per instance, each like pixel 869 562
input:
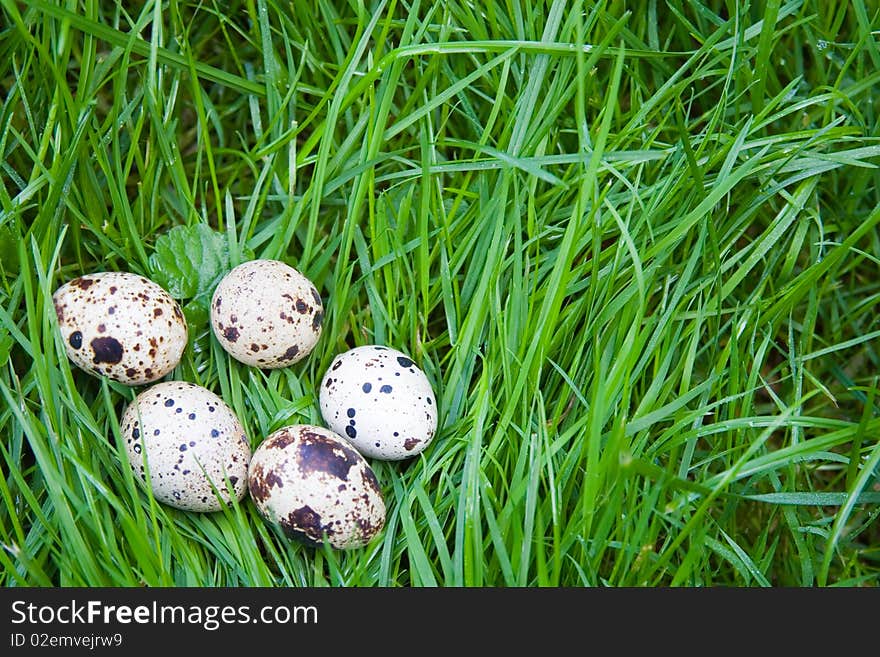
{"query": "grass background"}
pixel 633 245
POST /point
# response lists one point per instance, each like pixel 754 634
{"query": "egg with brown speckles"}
pixel 266 314
pixel 316 487
pixel 381 401
pixel 120 325
pixel 190 442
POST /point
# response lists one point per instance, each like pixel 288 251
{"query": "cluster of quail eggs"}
pixel 188 444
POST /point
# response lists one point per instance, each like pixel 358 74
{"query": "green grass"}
pixel 635 251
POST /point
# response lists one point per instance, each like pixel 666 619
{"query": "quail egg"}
pixel 316 487
pixel 266 314
pixel 190 439
pixel 121 325
pixel 381 401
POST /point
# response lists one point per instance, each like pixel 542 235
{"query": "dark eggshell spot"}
pixel 76 339
pixel 261 482
pixel 368 529
pixel 317 453
pixel 316 320
pixel 231 333
pixel 272 479
pixel 372 482
pixel 307 521
pixel 299 535
pixel 106 350
pixel 281 440
pixel 257 485
pixel 404 362
pixel 291 352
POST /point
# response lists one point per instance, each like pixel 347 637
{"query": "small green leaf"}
pixel 190 260
pixel 197 310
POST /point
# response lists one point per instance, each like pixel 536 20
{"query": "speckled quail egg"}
pixel 311 482
pixel 381 401
pixel 121 325
pixel 266 314
pixel 191 440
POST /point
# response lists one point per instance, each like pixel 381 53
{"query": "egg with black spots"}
pixel 266 314
pixel 120 325
pixel 316 487
pixel 188 442
pixel 381 401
